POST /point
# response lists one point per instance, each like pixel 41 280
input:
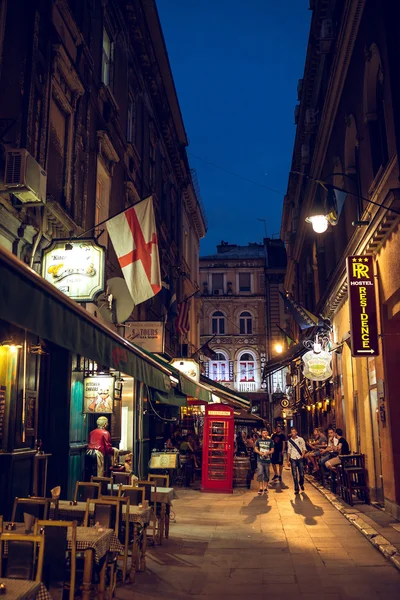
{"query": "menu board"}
pixel 2 407
pixel 164 460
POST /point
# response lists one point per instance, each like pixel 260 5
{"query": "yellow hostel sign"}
pixel 362 299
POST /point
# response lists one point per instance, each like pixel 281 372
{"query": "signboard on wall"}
pixel 147 334
pixel 98 394
pixel 188 367
pixel 75 267
pixel 362 299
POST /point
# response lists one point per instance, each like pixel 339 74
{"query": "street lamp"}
pixel 325 210
pixel 278 348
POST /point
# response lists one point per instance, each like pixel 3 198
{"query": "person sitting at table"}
pixel 342 448
pixel 317 446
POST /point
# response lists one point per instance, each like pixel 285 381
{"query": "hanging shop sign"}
pixel 98 394
pixel 188 367
pixel 75 267
pixel 317 366
pixel 363 315
pixel 147 334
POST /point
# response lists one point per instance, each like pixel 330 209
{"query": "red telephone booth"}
pixel 218 449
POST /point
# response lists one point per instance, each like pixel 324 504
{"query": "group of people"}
pixel 270 450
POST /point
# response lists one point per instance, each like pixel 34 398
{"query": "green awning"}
pixel 195 390
pixel 29 302
pixel 225 393
pixel 174 398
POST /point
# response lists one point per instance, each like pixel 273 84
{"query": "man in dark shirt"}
pixel 279 439
pixel 342 449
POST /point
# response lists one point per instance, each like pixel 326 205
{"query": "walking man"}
pixel 279 440
pixel 296 452
pixel 263 447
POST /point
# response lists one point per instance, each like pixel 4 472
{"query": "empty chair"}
pixel 160 480
pixel 121 478
pixel 85 491
pixel 135 494
pixel 37 507
pixel 24 556
pixel 105 513
pixel 59 563
pixel 106 484
pixel 149 487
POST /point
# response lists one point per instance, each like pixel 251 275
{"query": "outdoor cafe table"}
pixel 22 589
pixel 94 542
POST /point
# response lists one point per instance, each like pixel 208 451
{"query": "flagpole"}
pixel 285 333
pixel 108 219
pixel 205 344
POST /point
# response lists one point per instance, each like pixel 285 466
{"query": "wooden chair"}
pixel 159 480
pixel 135 494
pixel 55 570
pixel 148 486
pixel 37 507
pixel 85 490
pixel 121 478
pixel 104 483
pixel 22 556
pixel 105 513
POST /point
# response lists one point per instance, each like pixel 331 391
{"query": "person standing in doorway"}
pixel 263 447
pixel 296 452
pixel 279 439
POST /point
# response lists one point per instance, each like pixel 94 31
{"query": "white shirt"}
pixel 292 452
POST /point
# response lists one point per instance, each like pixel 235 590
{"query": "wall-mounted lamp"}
pixel 11 344
pixel 308 408
pixel 278 348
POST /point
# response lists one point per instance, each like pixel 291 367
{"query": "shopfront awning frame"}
pixel 231 397
pixel 29 302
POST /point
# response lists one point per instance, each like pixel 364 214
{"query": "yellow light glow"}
pixel 327 400
pixel 278 348
pixel 308 407
pixel 319 404
pixel 284 415
pixel 319 223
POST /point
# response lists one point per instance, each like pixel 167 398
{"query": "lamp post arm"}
pixel 393 210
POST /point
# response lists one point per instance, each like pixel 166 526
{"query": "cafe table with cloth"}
pixel 139 516
pixel 22 589
pixel 94 542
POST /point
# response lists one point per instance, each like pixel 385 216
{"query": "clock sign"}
pixel 284 403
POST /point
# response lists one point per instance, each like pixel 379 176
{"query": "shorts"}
pixel 316 453
pixel 263 471
pixel 277 458
pixel 334 461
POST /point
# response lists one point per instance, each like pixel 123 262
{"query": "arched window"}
pixel 246 367
pixel 374 109
pixel 218 323
pixel 246 323
pixel 219 368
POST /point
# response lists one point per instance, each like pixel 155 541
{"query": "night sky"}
pixel 236 65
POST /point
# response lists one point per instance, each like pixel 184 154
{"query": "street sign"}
pixel 362 299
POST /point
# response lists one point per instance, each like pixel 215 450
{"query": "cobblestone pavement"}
pixel 242 545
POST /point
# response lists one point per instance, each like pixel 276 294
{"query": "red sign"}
pixel 363 317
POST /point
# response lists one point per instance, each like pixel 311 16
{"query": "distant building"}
pixel 241 308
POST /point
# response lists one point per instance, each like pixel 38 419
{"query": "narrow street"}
pixel 241 545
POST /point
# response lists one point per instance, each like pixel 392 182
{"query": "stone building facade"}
pixel 348 134
pixel 241 306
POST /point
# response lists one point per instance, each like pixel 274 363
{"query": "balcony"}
pixel 247 386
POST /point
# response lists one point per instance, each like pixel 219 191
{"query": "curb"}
pixel 356 518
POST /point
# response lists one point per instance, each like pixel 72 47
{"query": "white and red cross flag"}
pixel 134 236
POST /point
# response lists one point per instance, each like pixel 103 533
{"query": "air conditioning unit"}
pixel 218 292
pixel 296 113
pixel 327 36
pixel 305 154
pixel 24 177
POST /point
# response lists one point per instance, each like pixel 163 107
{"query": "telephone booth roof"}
pixel 219 410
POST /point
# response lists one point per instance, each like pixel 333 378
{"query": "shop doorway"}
pixel 376 486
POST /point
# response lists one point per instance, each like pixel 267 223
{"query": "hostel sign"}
pixel 363 318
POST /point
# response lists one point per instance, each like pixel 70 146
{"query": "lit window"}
pixel 244 282
pixel 246 323
pixel 219 368
pixel 218 323
pixel 107 59
pixel 246 367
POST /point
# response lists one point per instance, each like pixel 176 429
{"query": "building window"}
pixel 219 368
pixel 103 184
pixel 246 367
pixel 246 323
pixel 130 125
pixel 378 136
pixel 218 323
pixel 244 282
pixel 218 283
pixel 107 59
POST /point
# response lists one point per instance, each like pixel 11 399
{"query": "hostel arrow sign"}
pixel 363 315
